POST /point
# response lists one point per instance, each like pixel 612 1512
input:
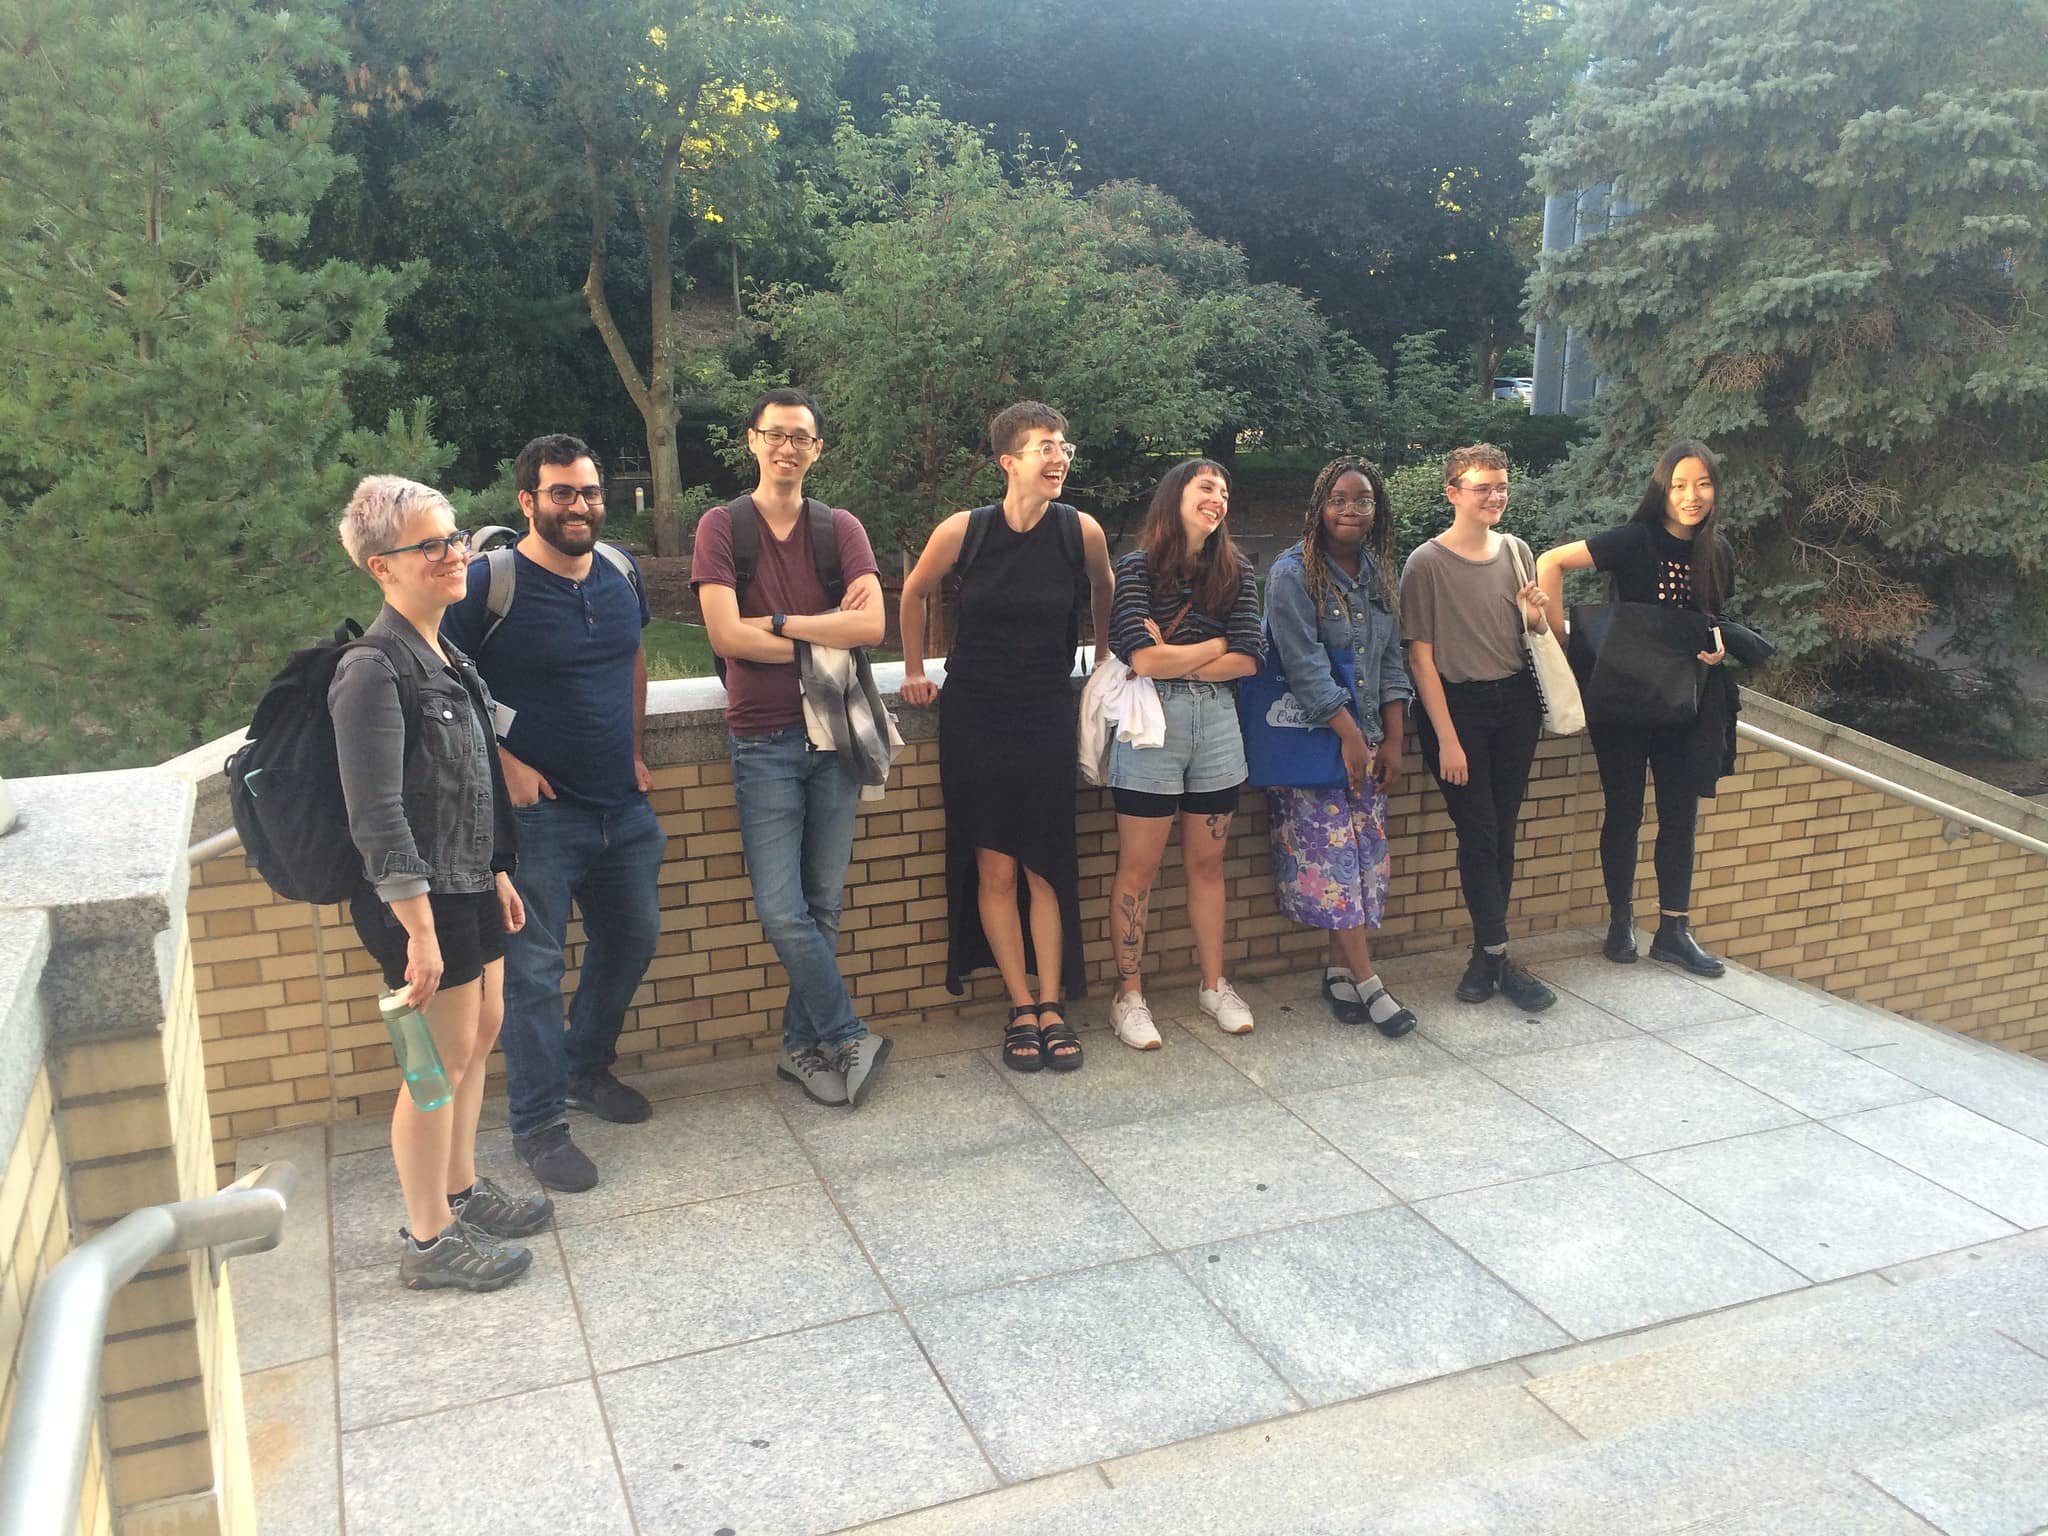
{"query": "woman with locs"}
pixel 428 812
pixel 1669 553
pixel 1334 591
pixel 1008 729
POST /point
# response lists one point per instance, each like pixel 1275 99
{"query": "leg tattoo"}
pixel 1130 932
pixel 1219 826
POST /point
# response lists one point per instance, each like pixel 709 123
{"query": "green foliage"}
pixel 175 443
pixel 1835 275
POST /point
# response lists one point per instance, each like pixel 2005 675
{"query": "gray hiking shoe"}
pixel 858 1061
pixel 491 1210
pixel 461 1258
pixel 811 1070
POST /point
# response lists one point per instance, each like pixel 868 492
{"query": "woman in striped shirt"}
pixel 1186 615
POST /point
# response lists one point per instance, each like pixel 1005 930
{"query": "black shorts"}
pixel 471 930
pixel 1207 802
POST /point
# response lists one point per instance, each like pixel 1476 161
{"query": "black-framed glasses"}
pixel 566 496
pixel 435 549
pixel 775 437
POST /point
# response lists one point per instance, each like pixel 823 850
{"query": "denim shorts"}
pixel 1204 750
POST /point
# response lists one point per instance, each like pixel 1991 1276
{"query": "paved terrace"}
pixel 1733 1257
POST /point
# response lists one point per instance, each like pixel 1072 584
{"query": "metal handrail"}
pixel 43 1463
pixel 1886 786
pixel 208 847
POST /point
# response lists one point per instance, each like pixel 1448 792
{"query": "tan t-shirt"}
pixel 1465 610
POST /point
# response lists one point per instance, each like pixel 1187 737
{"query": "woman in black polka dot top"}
pixel 1669 553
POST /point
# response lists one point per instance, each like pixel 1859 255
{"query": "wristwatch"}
pixel 777 621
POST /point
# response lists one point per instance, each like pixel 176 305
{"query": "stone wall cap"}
pixel 102 853
pixel 24 951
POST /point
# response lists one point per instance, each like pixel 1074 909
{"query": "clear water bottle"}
pixel 413 1042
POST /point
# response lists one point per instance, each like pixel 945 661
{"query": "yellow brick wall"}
pixel 35 1233
pixel 133 1124
pixel 1799 873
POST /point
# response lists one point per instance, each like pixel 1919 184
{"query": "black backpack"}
pixel 284 786
pixel 746 551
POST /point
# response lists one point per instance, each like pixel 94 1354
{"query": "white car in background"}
pixel 1523 390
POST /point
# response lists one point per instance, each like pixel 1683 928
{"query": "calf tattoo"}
pixel 1129 926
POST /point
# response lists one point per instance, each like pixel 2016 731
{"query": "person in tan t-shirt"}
pixel 1464 597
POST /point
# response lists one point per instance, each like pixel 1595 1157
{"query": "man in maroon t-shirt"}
pixel 796 804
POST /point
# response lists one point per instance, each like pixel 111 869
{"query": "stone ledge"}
pixel 24 952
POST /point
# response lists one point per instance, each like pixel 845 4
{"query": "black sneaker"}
pixel 1520 986
pixel 462 1259
pixel 598 1093
pixel 490 1209
pixel 556 1160
pixel 1481 972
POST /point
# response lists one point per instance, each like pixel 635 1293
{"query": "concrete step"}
pixel 1989 1482
pixel 1682 1472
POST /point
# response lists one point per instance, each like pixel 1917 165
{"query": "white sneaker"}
pixel 1132 1021
pixel 1232 1014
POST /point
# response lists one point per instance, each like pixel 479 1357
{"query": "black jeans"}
pixel 1498 725
pixel 1623 751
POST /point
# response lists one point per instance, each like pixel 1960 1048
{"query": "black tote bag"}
pixel 1641 662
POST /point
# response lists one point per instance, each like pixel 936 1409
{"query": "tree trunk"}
pixel 664 467
pixel 1485 358
pixel 739 311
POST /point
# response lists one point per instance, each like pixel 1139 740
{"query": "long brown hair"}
pixel 1379 538
pixel 1211 573
pixel 1712 561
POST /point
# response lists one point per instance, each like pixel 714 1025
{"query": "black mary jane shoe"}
pixel 1621 941
pixel 1675 945
pixel 1345 1011
pixel 1023 1046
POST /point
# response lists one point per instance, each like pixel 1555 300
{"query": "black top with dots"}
pixel 1647 563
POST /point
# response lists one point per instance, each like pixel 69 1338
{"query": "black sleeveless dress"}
pixel 1008 739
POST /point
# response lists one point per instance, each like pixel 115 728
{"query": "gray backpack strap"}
pixel 621 562
pixel 504 577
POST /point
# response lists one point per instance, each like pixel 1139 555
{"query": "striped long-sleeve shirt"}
pixel 1134 604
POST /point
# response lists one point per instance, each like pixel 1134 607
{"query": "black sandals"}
pixel 1023 1047
pixel 1060 1046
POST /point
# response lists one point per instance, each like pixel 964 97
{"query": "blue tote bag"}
pixel 1283 749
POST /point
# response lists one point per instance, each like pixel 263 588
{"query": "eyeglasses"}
pixel 1486 491
pixel 435 549
pixel 566 495
pixel 802 442
pixel 1364 503
pixel 1043 452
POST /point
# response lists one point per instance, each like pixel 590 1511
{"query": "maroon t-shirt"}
pixel 763 696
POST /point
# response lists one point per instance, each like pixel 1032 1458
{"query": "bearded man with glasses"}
pixel 566 667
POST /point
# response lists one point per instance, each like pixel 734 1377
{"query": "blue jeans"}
pixel 609 864
pixel 797 810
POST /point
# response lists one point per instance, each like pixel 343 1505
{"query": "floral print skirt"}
pixel 1331 868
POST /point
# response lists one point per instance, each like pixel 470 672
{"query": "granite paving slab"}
pixel 367 1208
pixel 284 1299
pixel 1821 1014
pixel 1060 1372
pixel 922 1108
pixel 1441 1132
pixel 809 1432
pixel 1982 1161
pixel 1989 1482
pixel 1482 1031
pixel 946 1224
pixel 695 1148
pixel 1793 1067
pixel 1603 1249
pixel 1223 1172
pixel 294 1463
pixel 404 1353
pixel 1821 1203
pixel 538 1464
pixel 1117 1085
pixel 715 1272
pixel 1299 1048
pixel 1844 1504
pixel 1999 1085
pixel 1649 994
pixel 1639 1095
pixel 1357 1304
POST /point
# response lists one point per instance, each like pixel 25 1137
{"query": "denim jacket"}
pixel 437 818
pixel 1354 617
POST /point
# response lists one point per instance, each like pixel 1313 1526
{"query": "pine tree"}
pixel 1834 274
pixel 174 444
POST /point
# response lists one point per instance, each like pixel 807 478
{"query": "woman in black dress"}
pixel 1007 729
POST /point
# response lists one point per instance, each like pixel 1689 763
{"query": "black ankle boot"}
pixel 1482 972
pixel 1675 945
pixel 1621 939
